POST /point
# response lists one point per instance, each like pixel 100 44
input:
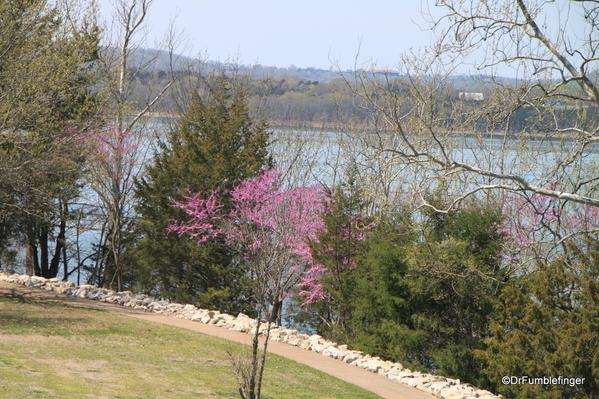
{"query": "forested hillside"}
pixel 319 98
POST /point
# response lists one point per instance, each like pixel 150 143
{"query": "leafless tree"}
pixel 120 143
pixel 524 121
pixel 552 49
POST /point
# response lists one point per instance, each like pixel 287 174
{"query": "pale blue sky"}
pixel 310 33
pixel 317 33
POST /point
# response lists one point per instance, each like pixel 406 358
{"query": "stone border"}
pixel 442 387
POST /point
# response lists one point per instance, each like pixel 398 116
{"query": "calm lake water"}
pixel 322 156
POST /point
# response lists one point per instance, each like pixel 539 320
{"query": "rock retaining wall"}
pixel 445 388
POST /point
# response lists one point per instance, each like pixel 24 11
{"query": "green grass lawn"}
pixel 51 350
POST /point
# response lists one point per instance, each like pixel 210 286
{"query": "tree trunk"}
pixel 60 244
pixel 43 243
pixel 275 312
pixel 31 265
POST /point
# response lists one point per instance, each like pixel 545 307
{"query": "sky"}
pixel 319 33
pixel 282 33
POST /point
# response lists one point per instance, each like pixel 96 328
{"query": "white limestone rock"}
pixel 371 365
pixel 352 356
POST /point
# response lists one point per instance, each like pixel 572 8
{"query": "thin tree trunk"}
pixel 58 249
pixel 31 258
pixel 43 243
pixel 65 263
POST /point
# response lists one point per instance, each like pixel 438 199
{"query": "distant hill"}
pixel 143 55
pixel 290 96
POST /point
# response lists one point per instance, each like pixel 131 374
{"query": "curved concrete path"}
pixel 363 378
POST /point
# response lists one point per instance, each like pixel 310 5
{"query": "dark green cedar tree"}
pixel 424 291
pixel 547 325
pixel 215 144
pixel 337 249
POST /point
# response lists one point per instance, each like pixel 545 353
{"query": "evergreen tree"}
pixel 328 286
pixel 422 291
pixel 547 325
pixel 214 145
pixel 384 299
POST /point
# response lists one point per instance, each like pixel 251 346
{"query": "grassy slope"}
pixel 50 350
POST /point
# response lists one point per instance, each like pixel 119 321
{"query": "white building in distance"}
pixel 466 95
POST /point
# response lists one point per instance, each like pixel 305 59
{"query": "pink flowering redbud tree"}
pixel 270 227
pixel 540 228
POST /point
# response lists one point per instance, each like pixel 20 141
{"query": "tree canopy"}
pixel 46 102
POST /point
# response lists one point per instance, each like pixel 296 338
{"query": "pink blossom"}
pixel 270 224
pixel 538 224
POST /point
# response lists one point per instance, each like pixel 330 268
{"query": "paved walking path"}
pixel 363 378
